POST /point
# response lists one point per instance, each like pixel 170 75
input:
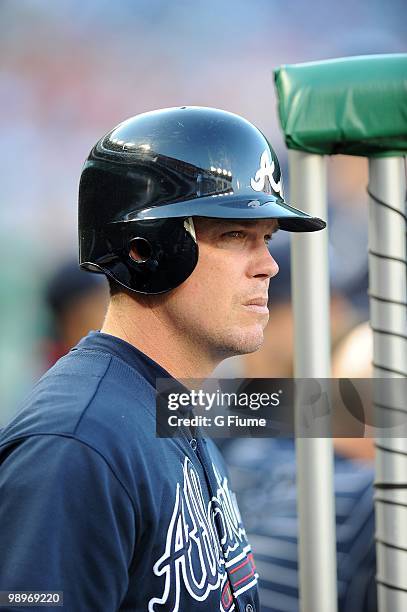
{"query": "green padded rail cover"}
pixel 354 105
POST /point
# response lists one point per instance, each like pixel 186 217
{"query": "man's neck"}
pixel 143 326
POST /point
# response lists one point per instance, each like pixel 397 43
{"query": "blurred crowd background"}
pixel 69 72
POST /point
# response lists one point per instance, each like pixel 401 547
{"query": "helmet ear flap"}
pixel 152 256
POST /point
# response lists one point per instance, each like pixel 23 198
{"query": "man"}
pixel 176 207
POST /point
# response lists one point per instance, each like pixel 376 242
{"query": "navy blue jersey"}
pixel 94 505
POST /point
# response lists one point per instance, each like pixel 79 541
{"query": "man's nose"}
pixel 265 265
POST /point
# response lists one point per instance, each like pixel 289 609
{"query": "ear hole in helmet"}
pixel 140 250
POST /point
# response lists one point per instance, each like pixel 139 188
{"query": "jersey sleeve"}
pixel 66 523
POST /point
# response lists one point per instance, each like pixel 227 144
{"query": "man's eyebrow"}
pixel 248 223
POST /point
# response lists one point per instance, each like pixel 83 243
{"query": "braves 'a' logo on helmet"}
pixel 266 169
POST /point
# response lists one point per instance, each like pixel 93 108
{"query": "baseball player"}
pixel 176 208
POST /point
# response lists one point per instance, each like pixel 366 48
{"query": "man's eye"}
pixel 235 234
pixel 268 238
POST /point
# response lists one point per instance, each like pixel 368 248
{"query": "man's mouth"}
pixel 257 305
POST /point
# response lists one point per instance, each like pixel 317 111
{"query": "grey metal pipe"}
pixel 310 291
pixel 388 315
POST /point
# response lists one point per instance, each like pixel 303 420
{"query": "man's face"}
pixel 222 306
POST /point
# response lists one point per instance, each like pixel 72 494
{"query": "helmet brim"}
pixel 227 207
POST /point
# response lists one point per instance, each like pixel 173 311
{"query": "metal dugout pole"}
pixel 310 291
pixel 388 315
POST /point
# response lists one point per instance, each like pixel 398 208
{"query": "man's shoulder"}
pixel 96 406
pixel 86 394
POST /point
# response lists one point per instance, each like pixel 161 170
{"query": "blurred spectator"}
pixel 350 358
pixel 353 359
pixel 77 302
pixel 263 472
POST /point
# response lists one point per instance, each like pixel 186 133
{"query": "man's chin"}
pixel 248 342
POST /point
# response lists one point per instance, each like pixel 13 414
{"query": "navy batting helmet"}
pixel 144 181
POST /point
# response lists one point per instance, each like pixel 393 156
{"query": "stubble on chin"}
pixel 239 342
